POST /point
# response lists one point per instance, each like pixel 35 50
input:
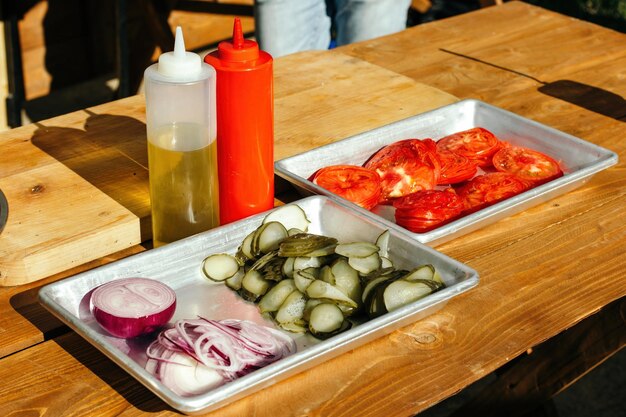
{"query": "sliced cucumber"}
pixel 291 216
pixel 220 266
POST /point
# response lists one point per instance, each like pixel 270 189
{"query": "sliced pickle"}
pixel 303 243
pixel 264 260
pixel 356 249
pixel 273 270
pixel 292 309
pixel 276 296
pixel 325 291
pixel 325 251
pixel 254 283
pixel 246 247
pixel 400 293
pixel 288 267
pixel 302 280
pixel 270 235
pixel 421 272
pixel 291 216
pixel 294 231
pixel 325 320
pixel 366 265
pixel 347 279
pixel 234 282
pixel 310 304
pixel 326 275
pixel 296 327
pixel 383 243
pixel 220 266
pixel 304 262
pixel 385 262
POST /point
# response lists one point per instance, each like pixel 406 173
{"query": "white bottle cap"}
pixel 179 64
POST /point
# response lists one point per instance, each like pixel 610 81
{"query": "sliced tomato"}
pixel 405 167
pixel 487 189
pixel 455 168
pixel 477 144
pixel 425 210
pixel 527 164
pixel 354 183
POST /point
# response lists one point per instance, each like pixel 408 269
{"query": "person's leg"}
pixel 358 20
pixel 287 26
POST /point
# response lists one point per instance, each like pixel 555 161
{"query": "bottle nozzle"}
pixel 237 34
pixel 179 43
pixel 179 63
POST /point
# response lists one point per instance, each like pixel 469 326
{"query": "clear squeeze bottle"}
pixel 245 120
pixel 182 149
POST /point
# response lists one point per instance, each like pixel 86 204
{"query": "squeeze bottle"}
pixel 182 149
pixel 245 120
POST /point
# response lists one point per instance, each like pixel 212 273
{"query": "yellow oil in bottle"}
pixel 183 181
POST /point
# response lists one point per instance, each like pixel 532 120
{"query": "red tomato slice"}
pixel 455 168
pixel 405 167
pixel 487 189
pixel 476 144
pixel 425 210
pixel 527 164
pixel 354 183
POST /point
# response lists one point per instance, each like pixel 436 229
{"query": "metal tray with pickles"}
pixel 320 274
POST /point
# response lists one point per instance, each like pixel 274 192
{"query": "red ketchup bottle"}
pixel 245 126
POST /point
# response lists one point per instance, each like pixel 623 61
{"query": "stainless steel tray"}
pixel 179 266
pixel 580 160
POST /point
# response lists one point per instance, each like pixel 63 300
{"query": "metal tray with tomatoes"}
pixel 449 171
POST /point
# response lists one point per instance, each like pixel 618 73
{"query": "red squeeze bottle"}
pixel 245 126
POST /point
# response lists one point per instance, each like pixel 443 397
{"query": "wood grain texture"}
pixel 542 271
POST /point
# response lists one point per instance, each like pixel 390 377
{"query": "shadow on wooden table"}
pixel 110 153
pixel 103 368
pixel 589 97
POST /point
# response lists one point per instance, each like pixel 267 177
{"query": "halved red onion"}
pixel 132 307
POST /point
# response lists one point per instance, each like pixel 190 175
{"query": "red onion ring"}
pixel 210 353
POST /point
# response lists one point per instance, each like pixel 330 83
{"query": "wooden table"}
pixel 550 304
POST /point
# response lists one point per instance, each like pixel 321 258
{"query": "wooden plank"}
pixel 552 366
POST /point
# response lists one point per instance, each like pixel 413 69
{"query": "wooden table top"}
pixel 542 271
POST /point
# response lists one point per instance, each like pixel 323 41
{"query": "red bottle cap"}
pixel 238 49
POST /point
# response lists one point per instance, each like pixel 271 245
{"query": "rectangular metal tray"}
pixel 179 266
pixel 579 159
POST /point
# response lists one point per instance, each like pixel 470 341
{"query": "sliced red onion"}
pixel 211 352
pixel 132 307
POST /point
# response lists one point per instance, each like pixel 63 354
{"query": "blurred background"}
pixel 57 56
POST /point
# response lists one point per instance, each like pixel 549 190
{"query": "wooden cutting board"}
pixel 77 185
